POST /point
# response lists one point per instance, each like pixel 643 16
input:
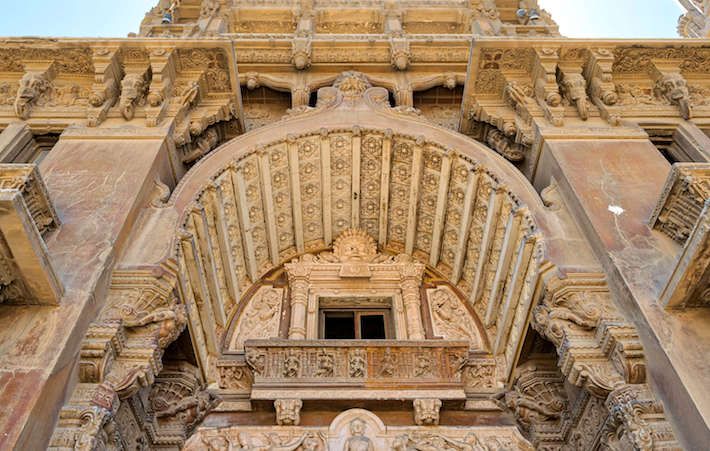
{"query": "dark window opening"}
pixel 313 99
pixel 355 324
pixel 372 327
pixel 339 325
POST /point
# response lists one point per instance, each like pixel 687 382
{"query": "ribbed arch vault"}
pixel 353 162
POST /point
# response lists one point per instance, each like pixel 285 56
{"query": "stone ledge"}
pixel 26 274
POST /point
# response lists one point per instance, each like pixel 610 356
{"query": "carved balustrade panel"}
pixel 347 368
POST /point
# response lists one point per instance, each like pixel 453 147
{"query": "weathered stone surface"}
pixel 481 204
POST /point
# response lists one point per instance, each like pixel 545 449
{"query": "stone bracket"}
pixel 689 284
pixel 106 87
pixel 162 63
pixel 36 82
pixel 682 200
pixel 546 89
pixel 600 82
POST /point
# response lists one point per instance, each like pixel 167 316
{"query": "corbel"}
pixel 35 83
pixel 301 48
pixel 134 87
pixel 502 119
pixel 106 87
pixel 300 94
pixel 301 52
pixel 190 97
pixel 545 85
pixel 399 52
pixel 573 87
pixel 519 95
pixel 399 45
pixel 403 93
pixel 670 85
pixel 602 91
pixel 200 119
pixel 162 66
pixel 26 214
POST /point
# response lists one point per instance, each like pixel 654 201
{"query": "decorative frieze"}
pixel 283 368
pixel 359 429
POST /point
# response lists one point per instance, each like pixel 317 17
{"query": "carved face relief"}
pixel 352 84
pixel 354 245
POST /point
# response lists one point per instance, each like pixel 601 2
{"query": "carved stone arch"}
pixel 444 198
pixel 287 190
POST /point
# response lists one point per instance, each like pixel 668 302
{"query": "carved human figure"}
pixel 256 361
pixel 171 320
pixel 423 365
pixel 436 442
pixel 292 365
pixel 33 86
pixel 388 363
pixel 357 440
pixel 260 318
pixel 133 91
pixel 326 364
pixel 450 318
pixel 574 88
pixel 357 363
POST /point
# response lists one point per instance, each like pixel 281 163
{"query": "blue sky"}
pixel 116 18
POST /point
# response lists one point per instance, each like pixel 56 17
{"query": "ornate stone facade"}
pixel 354 225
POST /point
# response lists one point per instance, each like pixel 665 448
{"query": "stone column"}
pixel 411 281
pixel 299 300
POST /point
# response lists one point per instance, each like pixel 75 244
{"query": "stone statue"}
pixel 357 440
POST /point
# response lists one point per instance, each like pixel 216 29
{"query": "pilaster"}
pixel 98 180
pixel 612 186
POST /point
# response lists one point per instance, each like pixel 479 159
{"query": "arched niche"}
pixel 289 188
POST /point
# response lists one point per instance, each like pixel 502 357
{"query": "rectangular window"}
pixel 355 324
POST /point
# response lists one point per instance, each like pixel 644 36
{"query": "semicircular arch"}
pixel 290 188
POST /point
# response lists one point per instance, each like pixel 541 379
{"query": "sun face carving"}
pixel 354 245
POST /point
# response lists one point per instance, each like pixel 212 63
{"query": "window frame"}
pixel 358 312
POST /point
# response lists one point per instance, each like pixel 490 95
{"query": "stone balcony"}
pixel 359 369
